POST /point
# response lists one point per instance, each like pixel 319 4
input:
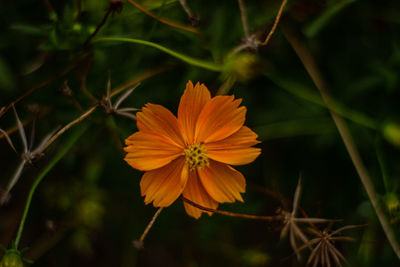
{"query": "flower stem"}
pixel 139 243
pixel 68 144
pixel 190 60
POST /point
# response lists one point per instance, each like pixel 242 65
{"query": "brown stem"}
pixel 244 18
pixel 186 8
pixel 233 214
pixel 312 69
pixel 278 16
pixel 101 24
pixel 164 21
pixel 66 127
pixel 139 243
pixel 38 86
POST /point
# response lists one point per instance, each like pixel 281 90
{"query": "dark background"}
pixel 88 209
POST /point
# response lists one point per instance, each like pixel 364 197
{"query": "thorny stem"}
pixel 190 60
pixel 278 16
pixel 344 132
pixel 148 227
pixel 164 21
pixel 66 127
pixel 233 214
pixel 244 18
pixel 52 163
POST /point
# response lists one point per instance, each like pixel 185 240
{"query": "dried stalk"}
pixel 278 16
pixel 66 127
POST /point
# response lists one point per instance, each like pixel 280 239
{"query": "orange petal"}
pixel 156 119
pixel 236 156
pixel 219 118
pixel 195 192
pixel 245 137
pixel 235 149
pixel 149 151
pixel 192 102
pixel 222 182
pixel 164 185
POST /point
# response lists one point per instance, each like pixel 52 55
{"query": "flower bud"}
pixel 12 258
pixel 243 65
pixel 391 132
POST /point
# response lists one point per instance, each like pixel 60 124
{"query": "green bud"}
pixel 12 258
pixel 90 213
pixel 53 16
pixel 242 65
pixel 77 27
pixel 391 132
pixel 392 204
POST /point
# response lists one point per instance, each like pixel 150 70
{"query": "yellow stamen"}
pixel 196 156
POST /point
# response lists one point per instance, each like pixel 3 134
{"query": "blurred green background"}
pixel 88 209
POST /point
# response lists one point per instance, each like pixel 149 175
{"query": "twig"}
pixel 186 8
pixel 233 214
pixel 278 16
pixel 244 18
pixel 139 243
pixel 66 127
pixel 312 69
pixel 112 7
pixel 40 85
pixel 51 164
pixel 164 21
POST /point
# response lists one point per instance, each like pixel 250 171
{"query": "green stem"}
pixel 192 61
pixel 51 164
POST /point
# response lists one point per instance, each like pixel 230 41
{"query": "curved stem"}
pixel 190 60
pixel 52 163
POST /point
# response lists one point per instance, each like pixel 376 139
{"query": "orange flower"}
pixel 190 154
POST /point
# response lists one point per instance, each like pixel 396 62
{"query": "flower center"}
pixel 196 156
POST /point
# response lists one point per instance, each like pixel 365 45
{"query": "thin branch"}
pixel 66 127
pixel 164 21
pixel 112 7
pixel 312 69
pixel 40 85
pixel 244 18
pixel 139 243
pixel 232 214
pixel 186 9
pixel 278 16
